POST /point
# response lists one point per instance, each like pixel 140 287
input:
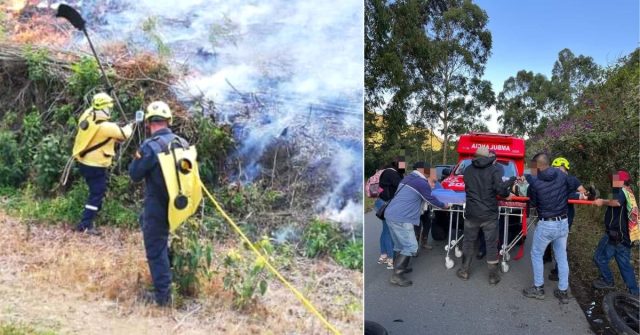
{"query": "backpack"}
pixel 179 165
pixel 372 187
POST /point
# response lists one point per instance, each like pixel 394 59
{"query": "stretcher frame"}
pixel 506 209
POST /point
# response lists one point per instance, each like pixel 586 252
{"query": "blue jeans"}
pixel 404 238
pixel 386 243
pixel 556 233
pixel 622 253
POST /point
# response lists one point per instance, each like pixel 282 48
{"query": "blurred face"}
pixel 402 165
pixel 532 168
pixel 433 174
pixel 152 127
pixel 616 182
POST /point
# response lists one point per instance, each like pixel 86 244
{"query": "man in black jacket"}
pixel 482 183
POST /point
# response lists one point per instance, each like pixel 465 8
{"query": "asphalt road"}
pixel 440 303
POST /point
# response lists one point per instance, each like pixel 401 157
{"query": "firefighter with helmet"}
pixel 93 150
pixel 155 218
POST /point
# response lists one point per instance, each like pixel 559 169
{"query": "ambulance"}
pixel 510 156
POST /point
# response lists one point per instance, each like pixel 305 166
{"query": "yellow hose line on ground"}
pixel 297 293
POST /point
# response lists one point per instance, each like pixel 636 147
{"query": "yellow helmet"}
pixel 560 161
pixel 102 101
pixel 159 109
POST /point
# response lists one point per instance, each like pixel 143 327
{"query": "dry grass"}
pixel 102 276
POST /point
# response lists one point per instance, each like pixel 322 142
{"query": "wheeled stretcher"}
pixel 514 207
pixel 506 210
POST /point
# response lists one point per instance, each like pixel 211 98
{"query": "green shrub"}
pixel 214 227
pixel 63 114
pixel 66 207
pixel 213 143
pixel 191 259
pixel 245 273
pixel 320 238
pixel 32 130
pixel 49 161
pixel 85 76
pixel 284 255
pixel 349 255
pixel 12 171
pixel 37 67
pixel 115 212
pixel 9 120
pixel 129 102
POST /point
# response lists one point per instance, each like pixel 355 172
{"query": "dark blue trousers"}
pixel 96 179
pixel 155 232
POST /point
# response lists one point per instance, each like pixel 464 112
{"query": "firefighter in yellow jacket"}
pixel 94 149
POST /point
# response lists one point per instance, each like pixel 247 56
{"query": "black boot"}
pixel 400 264
pixel 407 269
pixel 494 276
pixel 463 271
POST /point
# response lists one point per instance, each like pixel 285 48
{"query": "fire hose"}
pixel 307 304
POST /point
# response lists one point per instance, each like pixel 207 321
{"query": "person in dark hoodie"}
pixel 389 180
pixel 482 183
pixel 402 214
pixel 549 192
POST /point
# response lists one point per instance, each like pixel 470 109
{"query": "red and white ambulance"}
pixel 510 156
pixel 509 151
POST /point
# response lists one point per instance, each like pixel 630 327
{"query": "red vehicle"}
pixel 510 154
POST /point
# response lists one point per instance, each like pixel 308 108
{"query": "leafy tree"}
pixel 524 103
pixel 571 75
pixel 600 134
pixel 528 101
pixel 456 95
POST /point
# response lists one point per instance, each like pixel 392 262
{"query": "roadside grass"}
pixel 586 232
pixel 368 204
pixel 21 329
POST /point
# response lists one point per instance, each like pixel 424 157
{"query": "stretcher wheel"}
pixel 446 247
pixel 448 262
pixel 504 267
pixel 458 252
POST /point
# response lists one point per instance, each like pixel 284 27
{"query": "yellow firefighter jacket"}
pixel 102 134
